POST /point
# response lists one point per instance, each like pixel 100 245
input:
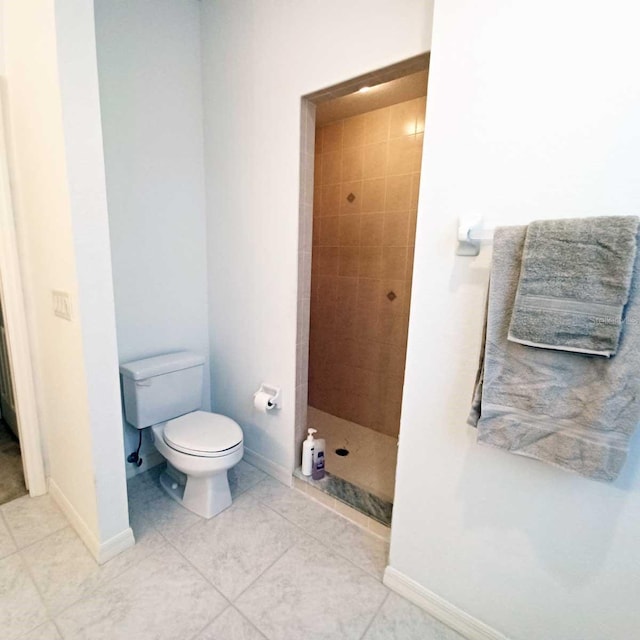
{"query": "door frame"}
pixel 16 328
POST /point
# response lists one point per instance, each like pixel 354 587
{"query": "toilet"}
pixel 165 393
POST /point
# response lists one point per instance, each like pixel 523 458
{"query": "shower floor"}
pixel 371 463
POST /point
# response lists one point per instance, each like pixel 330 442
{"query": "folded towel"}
pixel 574 284
pixel 571 410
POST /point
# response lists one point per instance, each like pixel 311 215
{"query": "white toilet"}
pixel 165 393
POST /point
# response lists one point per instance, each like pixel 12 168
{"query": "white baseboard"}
pixel 460 621
pixel 115 545
pixel 151 458
pixel 269 467
pixel 101 551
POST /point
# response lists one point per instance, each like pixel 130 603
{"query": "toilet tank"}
pixel 161 388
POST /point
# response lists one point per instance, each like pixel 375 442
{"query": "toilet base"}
pixel 206 496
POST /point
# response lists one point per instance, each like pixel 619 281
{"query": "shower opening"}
pixel 360 174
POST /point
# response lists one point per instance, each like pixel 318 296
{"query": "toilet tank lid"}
pixel 158 365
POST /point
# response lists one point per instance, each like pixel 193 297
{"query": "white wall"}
pixel 60 207
pixel 151 94
pixel 259 59
pixel 533 112
pixel 78 76
pixel 2 66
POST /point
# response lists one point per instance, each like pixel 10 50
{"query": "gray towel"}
pixel 574 284
pixel 476 399
pixel 571 410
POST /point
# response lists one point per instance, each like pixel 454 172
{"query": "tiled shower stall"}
pixel 359 182
pixel 364 215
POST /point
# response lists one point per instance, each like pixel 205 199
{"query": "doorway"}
pixel 367 153
pixel 20 435
pixel 12 482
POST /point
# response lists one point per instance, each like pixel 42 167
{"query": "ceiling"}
pixel 377 97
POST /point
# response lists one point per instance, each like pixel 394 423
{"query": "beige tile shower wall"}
pixel 364 214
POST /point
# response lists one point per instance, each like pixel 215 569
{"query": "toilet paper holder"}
pixel 273 393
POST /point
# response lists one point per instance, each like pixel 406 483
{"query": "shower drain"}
pixel 342 452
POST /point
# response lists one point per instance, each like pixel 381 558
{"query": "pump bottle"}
pixel 307 453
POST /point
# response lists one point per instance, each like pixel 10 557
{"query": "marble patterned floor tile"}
pixel 150 506
pixel 141 525
pixel 161 598
pixel 399 618
pixel 142 490
pixel 31 519
pixel 7 545
pixel 64 571
pixel 145 487
pixel 312 593
pixel 46 631
pixel 362 548
pixel 242 477
pixel 367 551
pixel 236 546
pixel 290 503
pixel 21 608
pixel 230 625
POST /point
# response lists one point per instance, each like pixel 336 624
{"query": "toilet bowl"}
pixel 201 447
pixel 165 393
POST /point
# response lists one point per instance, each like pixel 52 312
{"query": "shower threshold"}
pixel 351 495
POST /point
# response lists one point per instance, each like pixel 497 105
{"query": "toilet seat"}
pixel 203 434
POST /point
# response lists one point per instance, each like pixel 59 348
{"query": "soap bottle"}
pixel 307 453
pixel 317 472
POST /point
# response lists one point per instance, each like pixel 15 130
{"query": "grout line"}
pixel 169 543
pixel 20 550
pixel 345 555
pixel 320 541
pixel 165 536
pixel 244 617
pixel 48 535
pixel 251 486
pixel 57 628
pixel 98 586
pixel 125 568
pixel 301 530
pixel 164 541
pixel 375 615
pixel 230 603
pixel 208 580
pixel 11 536
pixel 204 577
pixel 193 637
pixel 25 564
pixel 66 526
pixel 295 544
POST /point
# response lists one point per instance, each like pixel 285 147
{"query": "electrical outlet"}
pixel 62 304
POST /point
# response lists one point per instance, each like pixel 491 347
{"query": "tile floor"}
pixel 276 565
pixel 371 463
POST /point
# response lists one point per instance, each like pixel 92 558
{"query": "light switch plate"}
pixel 61 304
